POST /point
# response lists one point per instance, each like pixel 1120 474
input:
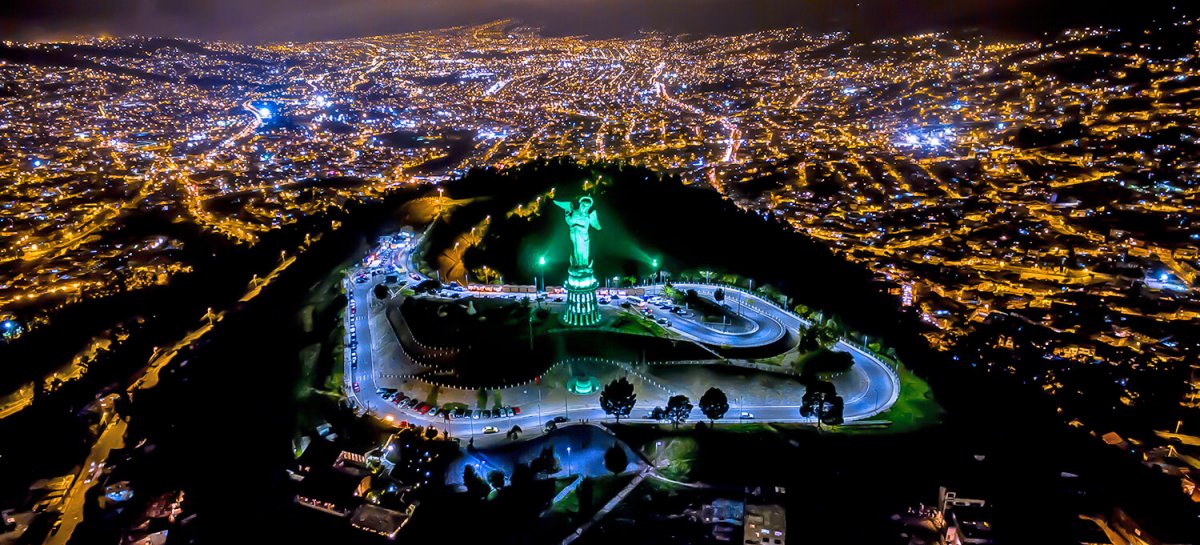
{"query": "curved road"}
pixel 879 383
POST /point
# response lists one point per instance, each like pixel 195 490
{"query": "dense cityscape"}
pixel 1032 202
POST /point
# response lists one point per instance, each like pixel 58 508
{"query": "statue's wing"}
pixel 595 221
pixel 564 205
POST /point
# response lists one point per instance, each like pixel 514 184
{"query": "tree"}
pixel 673 294
pixel 476 487
pixel 584 493
pixel 818 336
pixel 481 398
pixel 495 478
pixel 617 398
pixel 615 459
pixel 821 401
pixel 827 362
pixel 381 292
pixel 678 408
pixel 714 404
pixel 546 462
pixel 719 295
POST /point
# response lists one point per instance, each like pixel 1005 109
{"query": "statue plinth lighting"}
pixel 582 307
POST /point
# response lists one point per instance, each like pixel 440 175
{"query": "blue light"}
pixel 264 112
pixel 9 324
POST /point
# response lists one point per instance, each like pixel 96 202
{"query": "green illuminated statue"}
pixel 582 306
pixel 579 221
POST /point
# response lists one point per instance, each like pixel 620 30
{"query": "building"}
pixel 381 521
pixel 765 524
pixel 723 511
pixel 968 520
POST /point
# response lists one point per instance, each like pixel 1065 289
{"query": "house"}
pixel 381 521
pixel 765 524
pixel 968 520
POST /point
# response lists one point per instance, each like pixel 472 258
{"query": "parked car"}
pixel 423 408
pixel 516 410
pixel 491 429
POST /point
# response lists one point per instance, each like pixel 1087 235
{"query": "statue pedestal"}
pixel 582 307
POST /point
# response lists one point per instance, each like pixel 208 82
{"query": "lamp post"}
pixel 541 419
pixel 657 273
pixel 439 203
pixel 542 271
pixel 570 469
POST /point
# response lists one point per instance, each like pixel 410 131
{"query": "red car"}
pixel 423 408
pixel 516 411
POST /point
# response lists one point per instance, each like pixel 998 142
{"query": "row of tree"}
pixel 618 398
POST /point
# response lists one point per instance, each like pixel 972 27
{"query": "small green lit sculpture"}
pixel 582 308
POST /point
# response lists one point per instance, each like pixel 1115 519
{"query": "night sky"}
pixel 305 20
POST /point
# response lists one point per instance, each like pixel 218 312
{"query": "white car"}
pixel 747 416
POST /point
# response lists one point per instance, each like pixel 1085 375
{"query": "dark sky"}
pixel 303 20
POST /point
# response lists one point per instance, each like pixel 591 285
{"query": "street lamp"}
pixel 570 470
pixel 542 271
pixel 657 273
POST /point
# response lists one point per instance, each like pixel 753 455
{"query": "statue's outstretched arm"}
pixel 595 221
